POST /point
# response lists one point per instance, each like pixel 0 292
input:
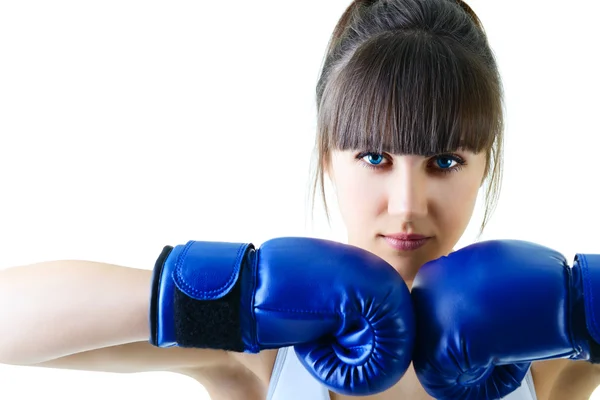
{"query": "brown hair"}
pixel 410 77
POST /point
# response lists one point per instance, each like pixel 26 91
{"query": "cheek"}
pixel 455 211
pixel 359 199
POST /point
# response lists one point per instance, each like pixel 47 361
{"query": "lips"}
pixel 406 236
pixel 406 242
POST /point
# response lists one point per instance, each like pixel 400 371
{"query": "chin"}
pixel 407 267
pixel 407 264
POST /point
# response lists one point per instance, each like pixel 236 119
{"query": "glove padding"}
pixel 347 312
pixel 486 311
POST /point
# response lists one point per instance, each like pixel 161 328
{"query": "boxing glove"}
pixel 486 311
pixel 347 312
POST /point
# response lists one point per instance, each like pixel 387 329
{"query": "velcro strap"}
pixel 209 270
pixel 207 299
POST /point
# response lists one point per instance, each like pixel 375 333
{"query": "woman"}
pixel 409 129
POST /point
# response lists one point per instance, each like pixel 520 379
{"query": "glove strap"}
pixel 197 296
pixel 586 267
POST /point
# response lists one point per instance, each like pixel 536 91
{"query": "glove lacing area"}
pixel 370 352
pixel 491 382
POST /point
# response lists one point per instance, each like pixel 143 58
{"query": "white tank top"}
pixel 291 381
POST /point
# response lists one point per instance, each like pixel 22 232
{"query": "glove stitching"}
pixel 300 311
pixel 190 289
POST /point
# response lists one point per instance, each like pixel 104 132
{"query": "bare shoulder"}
pixel 260 364
pixel 545 374
pixel 562 379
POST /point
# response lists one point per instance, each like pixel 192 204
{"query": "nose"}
pixel 408 193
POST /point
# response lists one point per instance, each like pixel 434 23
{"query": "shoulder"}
pixel 247 376
pixel 261 364
pixel 563 378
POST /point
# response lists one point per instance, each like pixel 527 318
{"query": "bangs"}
pixel 411 93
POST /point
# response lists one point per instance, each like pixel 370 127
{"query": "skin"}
pixel 382 194
pixel 376 194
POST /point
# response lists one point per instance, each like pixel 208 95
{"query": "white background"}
pixel 128 125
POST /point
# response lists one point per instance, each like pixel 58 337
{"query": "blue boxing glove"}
pixel 347 312
pixel 486 311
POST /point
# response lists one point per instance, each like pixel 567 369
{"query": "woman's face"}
pixel 384 197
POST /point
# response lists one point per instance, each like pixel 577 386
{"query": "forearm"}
pixel 54 309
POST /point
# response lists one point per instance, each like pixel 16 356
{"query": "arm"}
pixel 216 302
pixel 84 315
pixel 347 312
pixel 577 381
pixel 565 379
pixel 142 357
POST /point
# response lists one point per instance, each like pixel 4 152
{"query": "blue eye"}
pixel 444 162
pixel 374 158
